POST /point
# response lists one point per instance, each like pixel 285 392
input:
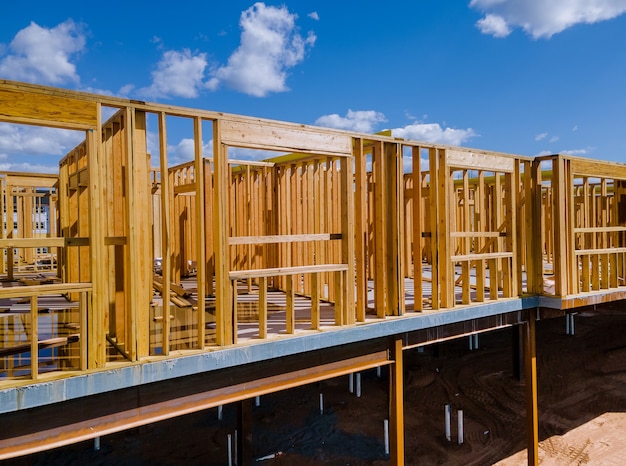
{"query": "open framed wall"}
pixel 161 255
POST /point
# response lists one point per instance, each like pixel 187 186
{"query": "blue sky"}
pixel 526 77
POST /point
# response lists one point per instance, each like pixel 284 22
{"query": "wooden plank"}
pixel 465 266
pixel 560 227
pixel 34 338
pixel 479 161
pixel 396 403
pixel 395 260
pixel 166 218
pixel 433 223
pixel 512 181
pixel 445 190
pixel 597 168
pixel 348 239
pixel 315 302
pixel 262 307
pixel 33 242
pixel 200 232
pixel 481 223
pixel 379 168
pixel 84 304
pixel 271 135
pixel 267 239
pixel 484 256
pixel 31 180
pixel 530 375
pixel 223 308
pixel 96 336
pixel 42 108
pixel 418 227
pixel 600 229
pixel 284 271
pixel 290 314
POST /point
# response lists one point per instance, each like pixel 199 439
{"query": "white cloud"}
pixel 494 25
pixel 554 139
pixel 314 16
pixel 578 152
pixel 37 141
pixel 435 133
pixel 270 46
pixel 178 74
pixel 42 55
pixel 363 121
pixel 575 152
pixel 541 136
pixel 541 18
pixel 27 167
pixel 184 151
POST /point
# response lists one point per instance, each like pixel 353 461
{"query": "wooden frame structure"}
pixel 155 259
pixel 333 211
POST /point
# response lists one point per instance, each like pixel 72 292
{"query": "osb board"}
pixel 17 106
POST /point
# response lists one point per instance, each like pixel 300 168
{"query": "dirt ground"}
pixel 582 410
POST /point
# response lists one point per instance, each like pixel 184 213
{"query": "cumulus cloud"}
pixel 27 167
pixel 184 151
pixel 270 46
pixel 541 18
pixel 494 25
pixel 42 55
pixel 578 152
pixel 178 74
pixel 33 140
pixel 314 16
pixel 35 149
pixel 574 152
pixel 435 133
pixel 363 121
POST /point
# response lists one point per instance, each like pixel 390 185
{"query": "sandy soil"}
pixel 582 400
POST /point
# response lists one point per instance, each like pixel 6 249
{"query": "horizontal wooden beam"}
pixel 39 290
pixel 477 234
pixel 43 344
pixel 56 242
pixel 583 252
pixel 274 239
pixel 278 271
pixel 598 168
pixel 477 257
pixel 46 109
pixel 95 425
pixel 274 136
pixel 479 161
pixel 598 229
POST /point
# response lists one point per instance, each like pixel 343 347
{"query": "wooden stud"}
pixel 530 377
pixel 263 307
pixel 200 233
pixel 290 297
pixel 396 403
pixel 360 227
pixel 418 218
pixel 166 216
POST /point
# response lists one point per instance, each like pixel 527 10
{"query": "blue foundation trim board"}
pixel 91 383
